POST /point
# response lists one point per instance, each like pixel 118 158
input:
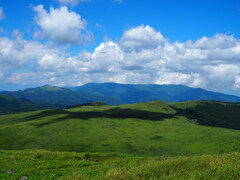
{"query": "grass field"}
pixel 46 165
pixel 148 129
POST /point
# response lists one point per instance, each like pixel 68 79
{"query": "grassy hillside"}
pixel 47 165
pixel 153 128
pixel 10 104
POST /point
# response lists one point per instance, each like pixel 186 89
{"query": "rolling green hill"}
pixel 10 104
pixel 152 128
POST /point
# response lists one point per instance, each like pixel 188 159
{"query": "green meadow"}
pixel 153 140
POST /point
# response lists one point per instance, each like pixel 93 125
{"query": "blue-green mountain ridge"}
pixel 110 93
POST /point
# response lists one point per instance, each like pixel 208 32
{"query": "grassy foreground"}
pixel 44 165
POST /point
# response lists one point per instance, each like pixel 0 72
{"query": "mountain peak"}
pixel 50 88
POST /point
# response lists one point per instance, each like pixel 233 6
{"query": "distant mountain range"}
pixel 131 93
pixel 110 93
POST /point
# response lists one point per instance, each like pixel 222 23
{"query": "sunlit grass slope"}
pixel 41 164
pixel 153 128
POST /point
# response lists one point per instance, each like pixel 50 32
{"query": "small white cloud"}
pixel 17 34
pixel 141 37
pixel 21 77
pixel 99 26
pixel 237 82
pixel 76 2
pixel 119 1
pixel 1 75
pixel 71 2
pixel 60 25
pixel 1 13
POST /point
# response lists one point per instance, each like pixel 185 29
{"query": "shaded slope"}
pixel 210 113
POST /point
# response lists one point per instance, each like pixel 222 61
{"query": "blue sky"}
pixel 72 42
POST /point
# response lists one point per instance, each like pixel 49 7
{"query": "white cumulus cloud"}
pixel 19 55
pixel 141 37
pixel 142 55
pixel 60 25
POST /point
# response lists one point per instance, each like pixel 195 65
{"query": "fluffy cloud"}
pixel 72 2
pixel 60 25
pixel 19 57
pixel 142 55
pixel 141 37
pixel 17 52
pixel 1 13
